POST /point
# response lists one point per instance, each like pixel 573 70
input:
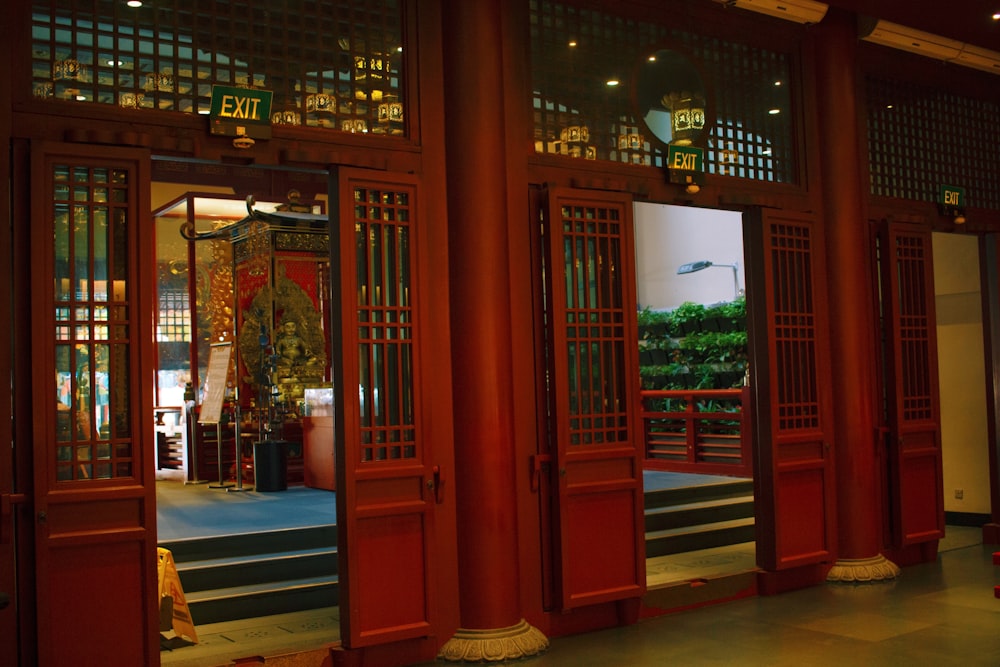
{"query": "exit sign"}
pixel 685 158
pixel 952 196
pixel 241 111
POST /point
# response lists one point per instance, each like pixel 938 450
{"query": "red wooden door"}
pixel 94 491
pixel 916 495
pixel 795 477
pixel 391 483
pixel 590 279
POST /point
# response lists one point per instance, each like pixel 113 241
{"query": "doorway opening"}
pixel 961 371
pixel 245 496
pixel 694 374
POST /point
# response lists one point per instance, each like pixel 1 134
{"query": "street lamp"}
pixel 694 267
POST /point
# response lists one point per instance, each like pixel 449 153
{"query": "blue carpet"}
pixel 194 510
pixel 655 480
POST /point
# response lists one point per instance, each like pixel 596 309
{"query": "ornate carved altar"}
pixel 281 278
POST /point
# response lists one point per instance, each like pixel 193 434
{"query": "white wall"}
pixel 962 372
pixel 668 236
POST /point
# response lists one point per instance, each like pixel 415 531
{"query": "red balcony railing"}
pixel 697 431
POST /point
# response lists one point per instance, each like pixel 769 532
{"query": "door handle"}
pixel 436 483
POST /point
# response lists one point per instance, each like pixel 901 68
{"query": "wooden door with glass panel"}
pixel 94 495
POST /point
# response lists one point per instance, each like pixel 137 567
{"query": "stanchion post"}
pixel 218 444
pixel 239 454
pixel 192 443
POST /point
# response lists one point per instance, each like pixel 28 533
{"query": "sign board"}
pixel 241 111
pixel 215 383
pixel 952 196
pixel 174 612
pixel 685 158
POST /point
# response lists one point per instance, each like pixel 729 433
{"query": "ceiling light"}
pixel 774 112
pixel 612 82
pixel 572 43
pixel 134 4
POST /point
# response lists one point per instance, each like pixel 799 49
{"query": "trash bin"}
pixel 270 465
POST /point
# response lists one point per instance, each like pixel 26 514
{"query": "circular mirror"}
pixel 672 98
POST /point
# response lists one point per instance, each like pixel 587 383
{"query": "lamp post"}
pixel 694 267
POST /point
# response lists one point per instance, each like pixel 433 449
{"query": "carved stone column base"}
pixel 517 641
pixel 863 570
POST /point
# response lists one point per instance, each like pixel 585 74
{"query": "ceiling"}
pixel 967 21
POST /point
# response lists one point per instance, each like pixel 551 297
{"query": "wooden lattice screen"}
pixel 921 137
pixel 93 322
pixel 595 338
pixel 333 64
pixel 794 327
pixel 911 255
pixel 385 324
pixel 750 87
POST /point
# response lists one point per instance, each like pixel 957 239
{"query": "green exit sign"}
pixel 241 111
pixel 685 158
pixel 952 196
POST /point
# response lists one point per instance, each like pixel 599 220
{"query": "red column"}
pixel 493 627
pixel 852 310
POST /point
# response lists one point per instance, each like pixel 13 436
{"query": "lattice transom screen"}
pixel 576 51
pixel 921 138
pixel 333 63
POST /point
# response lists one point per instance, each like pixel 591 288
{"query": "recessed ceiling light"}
pixel 134 4
pixel 774 112
pixel 613 82
pixel 572 43
pixel 996 16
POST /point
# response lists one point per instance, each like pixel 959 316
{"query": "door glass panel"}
pixel 595 345
pixel 91 345
pixel 384 325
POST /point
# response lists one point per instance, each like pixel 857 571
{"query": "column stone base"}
pixel 863 570
pixel 513 643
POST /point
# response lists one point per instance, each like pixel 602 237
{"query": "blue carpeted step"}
pixel 694 514
pixel 251 569
pixel 241 544
pixel 696 493
pixel 230 604
pixel 695 538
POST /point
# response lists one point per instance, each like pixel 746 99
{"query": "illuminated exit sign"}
pixel 685 158
pixel 952 196
pixel 241 111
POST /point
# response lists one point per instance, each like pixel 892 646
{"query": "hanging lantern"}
pixel 687 116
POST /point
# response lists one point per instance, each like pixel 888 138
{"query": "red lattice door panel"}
pixel 916 496
pixel 795 481
pixel 93 428
pixel 387 473
pixel 599 504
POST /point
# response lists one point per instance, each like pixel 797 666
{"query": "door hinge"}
pixel 539 464
pixel 7 502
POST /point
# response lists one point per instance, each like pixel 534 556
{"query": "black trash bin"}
pixel 270 465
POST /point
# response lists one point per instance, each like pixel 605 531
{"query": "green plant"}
pixel 686 317
pixel 736 309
